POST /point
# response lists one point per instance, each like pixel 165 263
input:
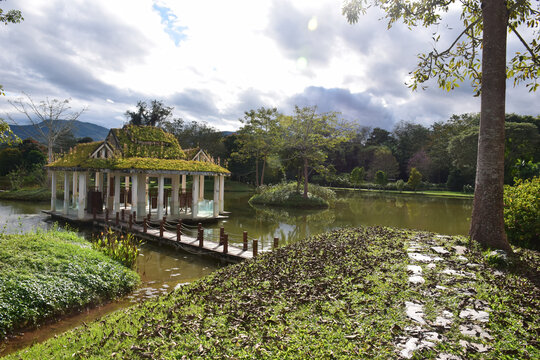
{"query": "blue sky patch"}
pixel 169 19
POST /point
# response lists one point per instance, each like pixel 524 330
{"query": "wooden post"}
pixel 135 216
pixel 122 212
pixel 276 242
pixel 161 226
pixel 179 231
pixel 245 247
pixel 106 216
pixel 221 234
pixel 94 213
pixel 201 237
pixel 255 245
pixel 225 243
pixel 130 221
pixel 145 226
pixel 117 218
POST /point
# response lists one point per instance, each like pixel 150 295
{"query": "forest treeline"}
pixel 444 153
pixel 322 148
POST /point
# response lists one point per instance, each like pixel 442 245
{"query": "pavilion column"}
pixel 174 195
pixel 141 196
pixel 85 188
pixel 195 197
pixel 201 187
pixel 126 189
pixel 74 198
pixel 116 206
pixel 184 183
pixel 161 181
pixel 221 193
pixel 134 194
pixel 53 190
pixel 99 181
pixel 216 196
pixel 110 192
pixel 82 195
pixel 66 192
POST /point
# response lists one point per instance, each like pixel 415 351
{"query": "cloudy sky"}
pixel 213 59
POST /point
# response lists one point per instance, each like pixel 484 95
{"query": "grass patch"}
pixel 32 194
pixel 48 273
pixel 287 195
pixel 433 193
pixel 336 295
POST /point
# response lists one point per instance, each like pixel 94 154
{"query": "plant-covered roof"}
pixel 142 148
pixel 145 141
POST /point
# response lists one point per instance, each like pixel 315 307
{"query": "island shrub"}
pixel 44 274
pixel 288 195
pixel 522 213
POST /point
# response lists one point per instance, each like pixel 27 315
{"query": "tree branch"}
pixel 533 55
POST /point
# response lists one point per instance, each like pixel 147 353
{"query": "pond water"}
pixel 161 268
pixel 443 215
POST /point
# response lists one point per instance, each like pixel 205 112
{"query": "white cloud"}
pixel 214 59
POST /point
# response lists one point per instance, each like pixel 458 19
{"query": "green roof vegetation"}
pixel 147 141
pixel 144 148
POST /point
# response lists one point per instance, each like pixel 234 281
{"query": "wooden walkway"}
pixel 165 236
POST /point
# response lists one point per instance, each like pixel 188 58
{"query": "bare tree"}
pixel 51 119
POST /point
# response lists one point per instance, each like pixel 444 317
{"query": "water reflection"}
pixel 354 208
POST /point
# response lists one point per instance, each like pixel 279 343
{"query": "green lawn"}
pixel 337 295
pixel 455 194
pixel 48 273
pixel 31 194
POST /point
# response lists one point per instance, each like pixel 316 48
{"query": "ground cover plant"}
pixel 48 273
pixel 342 294
pixel 289 195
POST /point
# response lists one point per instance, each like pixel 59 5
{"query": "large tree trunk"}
pixel 305 178
pixel 487 224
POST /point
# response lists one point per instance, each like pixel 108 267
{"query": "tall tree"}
pixel 259 138
pixel 478 53
pixel 52 119
pixel 308 136
pixel 197 134
pixel 153 114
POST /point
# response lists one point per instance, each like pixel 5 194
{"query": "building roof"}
pixel 135 149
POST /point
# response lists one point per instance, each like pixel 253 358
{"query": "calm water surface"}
pixel 161 269
pixel 449 216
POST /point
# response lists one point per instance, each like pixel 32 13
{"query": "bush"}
pixel 46 274
pixel 122 249
pixel 400 185
pixel 287 195
pixel 522 213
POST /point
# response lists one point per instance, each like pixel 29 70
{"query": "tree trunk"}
pixel 305 178
pixel 256 172
pixel 50 145
pixel 262 172
pixel 487 223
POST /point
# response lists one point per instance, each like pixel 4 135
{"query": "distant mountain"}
pixel 227 133
pixel 80 130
